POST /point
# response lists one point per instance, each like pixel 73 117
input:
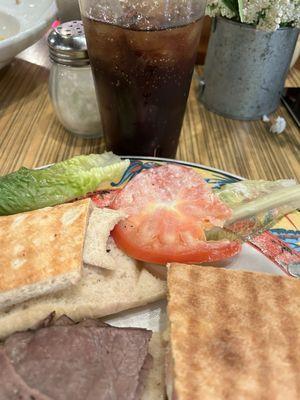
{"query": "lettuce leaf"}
pixel 256 205
pixel 238 193
pixel 30 189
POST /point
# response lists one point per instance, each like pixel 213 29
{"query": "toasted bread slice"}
pixel 234 334
pixel 101 223
pixel 41 251
pixel 98 293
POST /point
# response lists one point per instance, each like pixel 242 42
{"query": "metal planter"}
pixel 245 69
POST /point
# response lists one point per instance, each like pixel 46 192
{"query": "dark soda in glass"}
pixel 142 79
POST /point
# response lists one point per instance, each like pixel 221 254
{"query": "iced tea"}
pixel 142 81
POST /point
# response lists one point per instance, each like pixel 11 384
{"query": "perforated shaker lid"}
pixel 67 44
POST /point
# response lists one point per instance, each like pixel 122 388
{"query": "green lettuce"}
pixel 30 189
pixel 239 193
pixel 256 206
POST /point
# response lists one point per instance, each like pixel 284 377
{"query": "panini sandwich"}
pixel 99 291
pixel 233 334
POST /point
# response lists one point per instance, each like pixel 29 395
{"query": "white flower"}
pixel 264 14
pixel 217 7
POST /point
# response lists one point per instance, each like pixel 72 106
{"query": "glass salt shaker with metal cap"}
pixel 71 84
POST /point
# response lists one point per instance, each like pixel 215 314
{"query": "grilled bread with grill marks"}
pixel 41 251
pixel 234 334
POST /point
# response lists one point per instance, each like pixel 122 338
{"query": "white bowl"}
pixel 22 23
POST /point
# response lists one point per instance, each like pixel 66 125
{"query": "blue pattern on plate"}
pixel 292 238
pixel 220 181
pixel 134 168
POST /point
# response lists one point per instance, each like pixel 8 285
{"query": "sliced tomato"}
pixel 169 208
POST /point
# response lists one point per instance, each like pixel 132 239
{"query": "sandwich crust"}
pixel 234 334
pixel 101 223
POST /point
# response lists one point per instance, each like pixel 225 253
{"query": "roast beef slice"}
pixel 81 361
pixel 12 386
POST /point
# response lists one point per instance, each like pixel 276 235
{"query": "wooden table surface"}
pixel 31 135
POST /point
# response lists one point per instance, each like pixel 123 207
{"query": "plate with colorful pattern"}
pixel 281 244
pixel 276 251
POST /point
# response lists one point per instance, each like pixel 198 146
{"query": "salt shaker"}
pixel 71 84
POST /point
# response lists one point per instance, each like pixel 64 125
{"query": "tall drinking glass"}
pixel 142 54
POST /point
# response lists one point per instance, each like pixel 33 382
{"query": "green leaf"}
pixel 282 201
pixel 239 193
pixel 257 206
pixel 29 189
pixel 241 10
pixel 232 5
